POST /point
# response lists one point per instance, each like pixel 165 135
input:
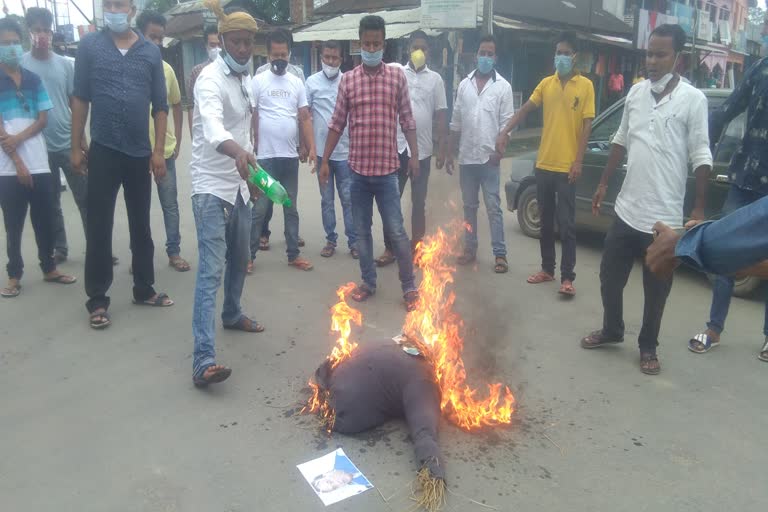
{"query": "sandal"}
pixel 649 364
pixel 221 374
pixel 540 277
pixel 702 343
pixel 763 355
pixel 245 324
pixel 60 279
pixel 567 289
pixel 362 293
pixel 301 264
pixel 179 264
pixel 100 319
pixel 501 267
pixel 264 243
pixel 9 292
pixel 302 243
pixel 385 259
pixel 328 251
pixel 161 300
pixel 466 258
pixel 355 254
pixel 411 301
pixel 596 339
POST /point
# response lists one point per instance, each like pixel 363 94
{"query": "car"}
pixel 520 189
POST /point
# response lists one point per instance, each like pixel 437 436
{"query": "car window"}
pixel 603 131
pixel 731 139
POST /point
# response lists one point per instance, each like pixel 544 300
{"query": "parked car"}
pixel 521 187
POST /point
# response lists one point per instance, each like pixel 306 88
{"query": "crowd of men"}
pixel 366 133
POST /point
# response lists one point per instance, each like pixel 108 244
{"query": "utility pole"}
pixel 694 58
pixel 488 16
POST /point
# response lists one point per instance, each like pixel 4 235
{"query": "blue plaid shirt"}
pixel 120 89
pixel 749 166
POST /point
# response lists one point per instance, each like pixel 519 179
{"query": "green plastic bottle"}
pixel 269 185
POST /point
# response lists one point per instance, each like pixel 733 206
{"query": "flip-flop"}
pixel 328 251
pixel 61 279
pixel 362 293
pixel 220 375
pixel 385 260
pixel 245 324
pixel 106 322
pixel 540 277
pixel 301 264
pixel 501 266
pixel 157 302
pixel 647 358
pixel 263 243
pixel 595 339
pixel 567 289
pixel 179 264
pixel 764 350
pixel 703 339
pixel 10 293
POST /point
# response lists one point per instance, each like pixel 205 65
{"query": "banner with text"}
pixel 449 13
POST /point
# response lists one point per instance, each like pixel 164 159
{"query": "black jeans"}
pixel 59 161
pixel 107 171
pixel 419 188
pixel 557 197
pixel 14 200
pixel 622 246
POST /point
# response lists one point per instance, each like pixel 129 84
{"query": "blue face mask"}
pixel 10 55
pixel 485 64
pixel 563 64
pixel 116 21
pixel 232 63
pixel 372 59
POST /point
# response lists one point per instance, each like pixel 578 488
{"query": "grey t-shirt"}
pixel 58 75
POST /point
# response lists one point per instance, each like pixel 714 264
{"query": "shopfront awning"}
pixel 710 50
pixel 512 24
pixel 400 23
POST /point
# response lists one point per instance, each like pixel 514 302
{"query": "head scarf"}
pixel 231 22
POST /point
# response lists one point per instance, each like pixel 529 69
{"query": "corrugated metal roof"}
pixel 190 7
pixel 353 6
pixel 346 27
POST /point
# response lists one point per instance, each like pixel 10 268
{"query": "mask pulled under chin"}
pixel 232 63
pixel 659 85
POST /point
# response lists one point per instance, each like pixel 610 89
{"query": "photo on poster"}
pixel 334 477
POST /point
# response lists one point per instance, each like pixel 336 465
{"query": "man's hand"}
pixel 255 192
pixel 157 166
pixel 413 168
pixel 660 256
pixel 597 199
pixel 77 159
pixel 449 165
pixel 22 174
pixel 9 143
pixel 325 173
pixel 303 153
pixel 495 159
pixel 501 143
pixel 698 215
pixel 575 173
pixel 176 151
pixel 440 158
pixel 243 159
pixel 312 158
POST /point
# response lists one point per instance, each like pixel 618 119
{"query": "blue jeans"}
pixel 386 192
pixel 286 171
pixel 223 233
pixel 340 173
pixel 722 288
pixel 473 178
pixel 166 191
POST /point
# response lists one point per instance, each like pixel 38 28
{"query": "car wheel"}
pixel 528 212
pixel 743 287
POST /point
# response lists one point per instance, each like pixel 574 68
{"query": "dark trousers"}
pixel 59 162
pixel 419 186
pixel 286 171
pixel 14 200
pixel 107 171
pixel 623 245
pixel 557 197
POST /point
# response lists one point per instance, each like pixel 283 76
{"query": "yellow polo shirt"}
pixel 565 109
pixel 174 98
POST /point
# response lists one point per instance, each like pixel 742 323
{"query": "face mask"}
pixel 232 63
pixel 41 41
pixel 563 64
pixel 658 86
pixel 330 71
pixel 418 59
pixel 371 59
pixel 485 64
pixel 213 53
pixel 116 21
pixel 279 65
pixel 10 55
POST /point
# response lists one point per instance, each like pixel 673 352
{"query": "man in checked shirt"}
pixel 370 99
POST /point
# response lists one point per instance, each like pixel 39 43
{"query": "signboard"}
pixel 449 13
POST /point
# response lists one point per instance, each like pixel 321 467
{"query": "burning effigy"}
pixel 359 388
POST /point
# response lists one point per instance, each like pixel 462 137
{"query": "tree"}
pixel 160 6
pixel 756 15
pixel 271 11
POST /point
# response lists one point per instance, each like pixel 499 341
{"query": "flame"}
pixel 436 329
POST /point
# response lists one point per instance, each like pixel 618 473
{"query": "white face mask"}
pixel 213 53
pixel 658 86
pixel 330 71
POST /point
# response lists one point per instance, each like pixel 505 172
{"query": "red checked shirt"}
pixel 371 104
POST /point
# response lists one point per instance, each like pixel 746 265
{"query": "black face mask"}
pixel 279 65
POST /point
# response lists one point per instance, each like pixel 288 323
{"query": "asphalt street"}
pixel 110 421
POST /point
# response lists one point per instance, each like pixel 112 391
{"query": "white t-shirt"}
pixel 662 140
pixel 277 99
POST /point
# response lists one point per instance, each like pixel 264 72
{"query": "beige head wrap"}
pixel 231 22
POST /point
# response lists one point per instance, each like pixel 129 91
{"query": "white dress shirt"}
pixel 222 112
pixel 427 92
pixel 480 117
pixel 321 97
pixel 662 139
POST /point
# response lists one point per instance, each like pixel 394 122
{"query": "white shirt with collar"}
pixel 427 92
pixel 663 140
pixel 480 116
pixel 222 112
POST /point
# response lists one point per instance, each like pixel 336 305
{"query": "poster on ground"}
pixel 334 477
pixel 449 13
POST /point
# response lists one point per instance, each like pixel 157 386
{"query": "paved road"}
pixel 110 421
